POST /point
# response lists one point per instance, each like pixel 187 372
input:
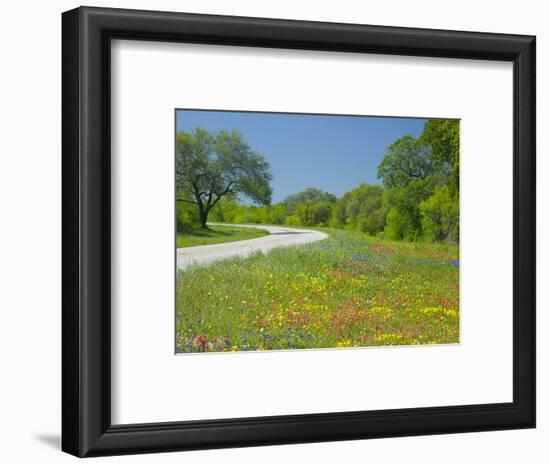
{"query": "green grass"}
pixel 348 290
pixel 215 234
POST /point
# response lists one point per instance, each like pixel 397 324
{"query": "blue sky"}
pixel 332 153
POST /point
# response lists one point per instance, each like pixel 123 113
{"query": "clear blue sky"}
pixel 332 153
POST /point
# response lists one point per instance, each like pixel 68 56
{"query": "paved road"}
pixel 278 237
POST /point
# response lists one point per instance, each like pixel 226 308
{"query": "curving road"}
pixel 278 237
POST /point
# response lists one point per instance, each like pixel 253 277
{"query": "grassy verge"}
pixel 216 234
pixel 347 290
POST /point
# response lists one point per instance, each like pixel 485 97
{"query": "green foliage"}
pixel 361 208
pixel 373 223
pixel 212 166
pixel 422 181
pixel 308 195
pixel 395 225
pixel 304 212
pixel 443 137
pixel 186 216
pixel 406 220
pixel 406 159
pixel 313 213
pixel 440 216
pixel 292 220
pixel 231 212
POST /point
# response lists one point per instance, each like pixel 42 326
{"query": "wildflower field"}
pixel 350 290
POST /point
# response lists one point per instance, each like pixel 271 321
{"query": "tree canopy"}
pixel 310 194
pixel 406 159
pixel 422 180
pixel 212 166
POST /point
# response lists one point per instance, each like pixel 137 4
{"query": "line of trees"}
pixel 418 198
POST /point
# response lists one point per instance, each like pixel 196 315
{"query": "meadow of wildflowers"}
pixel 350 290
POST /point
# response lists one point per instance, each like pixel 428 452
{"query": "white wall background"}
pixel 30 245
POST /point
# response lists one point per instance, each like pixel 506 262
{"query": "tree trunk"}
pixel 203 217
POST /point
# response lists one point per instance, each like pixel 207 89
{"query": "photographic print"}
pixel 309 231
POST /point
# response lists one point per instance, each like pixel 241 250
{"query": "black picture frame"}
pixel 86 264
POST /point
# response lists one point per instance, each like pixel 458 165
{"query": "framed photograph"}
pixel 285 231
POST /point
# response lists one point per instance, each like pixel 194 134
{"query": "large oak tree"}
pixel 211 166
